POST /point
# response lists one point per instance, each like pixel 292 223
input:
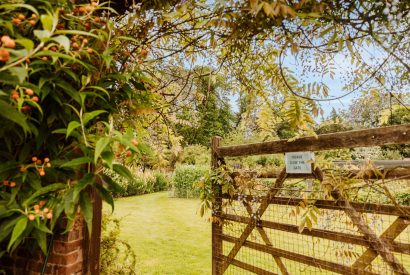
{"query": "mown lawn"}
pixel 167 234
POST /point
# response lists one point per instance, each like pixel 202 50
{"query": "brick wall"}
pixel 67 257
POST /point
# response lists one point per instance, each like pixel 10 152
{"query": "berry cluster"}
pixel 40 211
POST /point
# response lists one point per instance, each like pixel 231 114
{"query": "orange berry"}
pixel 75 46
pixel 5 182
pixel 90 51
pixel 32 22
pixel 134 142
pixel 38 162
pixel 48 165
pixel 81 10
pixel 25 108
pixel 36 211
pixel 97 19
pixel 16 21
pixel 128 153
pixel 15 95
pixel 36 207
pixel 35 99
pixel 49 216
pixel 85 41
pixel 42 172
pixel 31 217
pixel 34 159
pixel 46 160
pixel 34 16
pixel 42 203
pixel 8 42
pixel 29 92
pixel 12 184
pixel 45 210
pixel 23 169
pixel 4 55
pixel 44 58
pixel 21 16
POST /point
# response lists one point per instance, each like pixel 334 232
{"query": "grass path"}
pixel 166 234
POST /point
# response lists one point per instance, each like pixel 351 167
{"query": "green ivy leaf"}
pixel 105 195
pixel 123 171
pixel 44 190
pixel 18 230
pixel 63 41
pixel 26 43
pixel 100 146
pixel 47 21
pixel 41 239
pixel 89 116
pixel 71 127
pixel 77 162
pixel 87 210
pixel 12 114
pixel 108 158
pixel 43 35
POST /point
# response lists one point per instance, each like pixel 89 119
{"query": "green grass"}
pixel 167 234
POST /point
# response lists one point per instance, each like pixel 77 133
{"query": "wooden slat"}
pixel 322 264
pixel 247 267
pixel 383 248
pixel 216 207
pixel 384 209
pixel 390 173
pixel 319 233
pixel 399 134
pixel 388 236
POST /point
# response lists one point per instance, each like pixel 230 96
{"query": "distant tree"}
pixel 210 114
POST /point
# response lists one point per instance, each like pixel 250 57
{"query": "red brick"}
pixel 66 247
pixel 36 266
pixel 68 269
pixel 65 259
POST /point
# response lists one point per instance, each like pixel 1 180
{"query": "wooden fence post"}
pixel 216 210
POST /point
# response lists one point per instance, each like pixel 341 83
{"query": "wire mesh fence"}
pixel 296 228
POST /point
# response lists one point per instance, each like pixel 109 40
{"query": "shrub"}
pixel 196 155
pixel 60 86
pixel 116 256
pixel 403 197
pixel 184 179
pixel 162 182
pixel 136 187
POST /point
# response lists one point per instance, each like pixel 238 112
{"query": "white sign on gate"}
pixel 299 162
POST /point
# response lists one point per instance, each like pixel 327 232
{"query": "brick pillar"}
pixel 66 257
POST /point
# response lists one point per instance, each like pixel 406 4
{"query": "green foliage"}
pixel 116 255
pixel 184 179
pixel 210 114
pixel 403 197
pixel 195 155
pixel 60 87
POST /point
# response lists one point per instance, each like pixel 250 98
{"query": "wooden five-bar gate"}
pixel 281 229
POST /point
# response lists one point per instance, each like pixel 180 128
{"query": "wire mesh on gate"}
pixel 302 231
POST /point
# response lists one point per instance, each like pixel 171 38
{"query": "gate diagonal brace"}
pixel 252 224
pixel 266 239
pixel 379 245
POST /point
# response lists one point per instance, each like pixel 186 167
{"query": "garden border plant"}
pixel 60 86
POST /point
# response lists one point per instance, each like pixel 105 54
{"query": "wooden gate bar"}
pixel 398 134
pixel 384 209
pixel 248 267
pixel 391 233
pixel 216 209
pixel 319 233
pixel 249 228
pixel 322 264
pixel 382 247
pixel 266 239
